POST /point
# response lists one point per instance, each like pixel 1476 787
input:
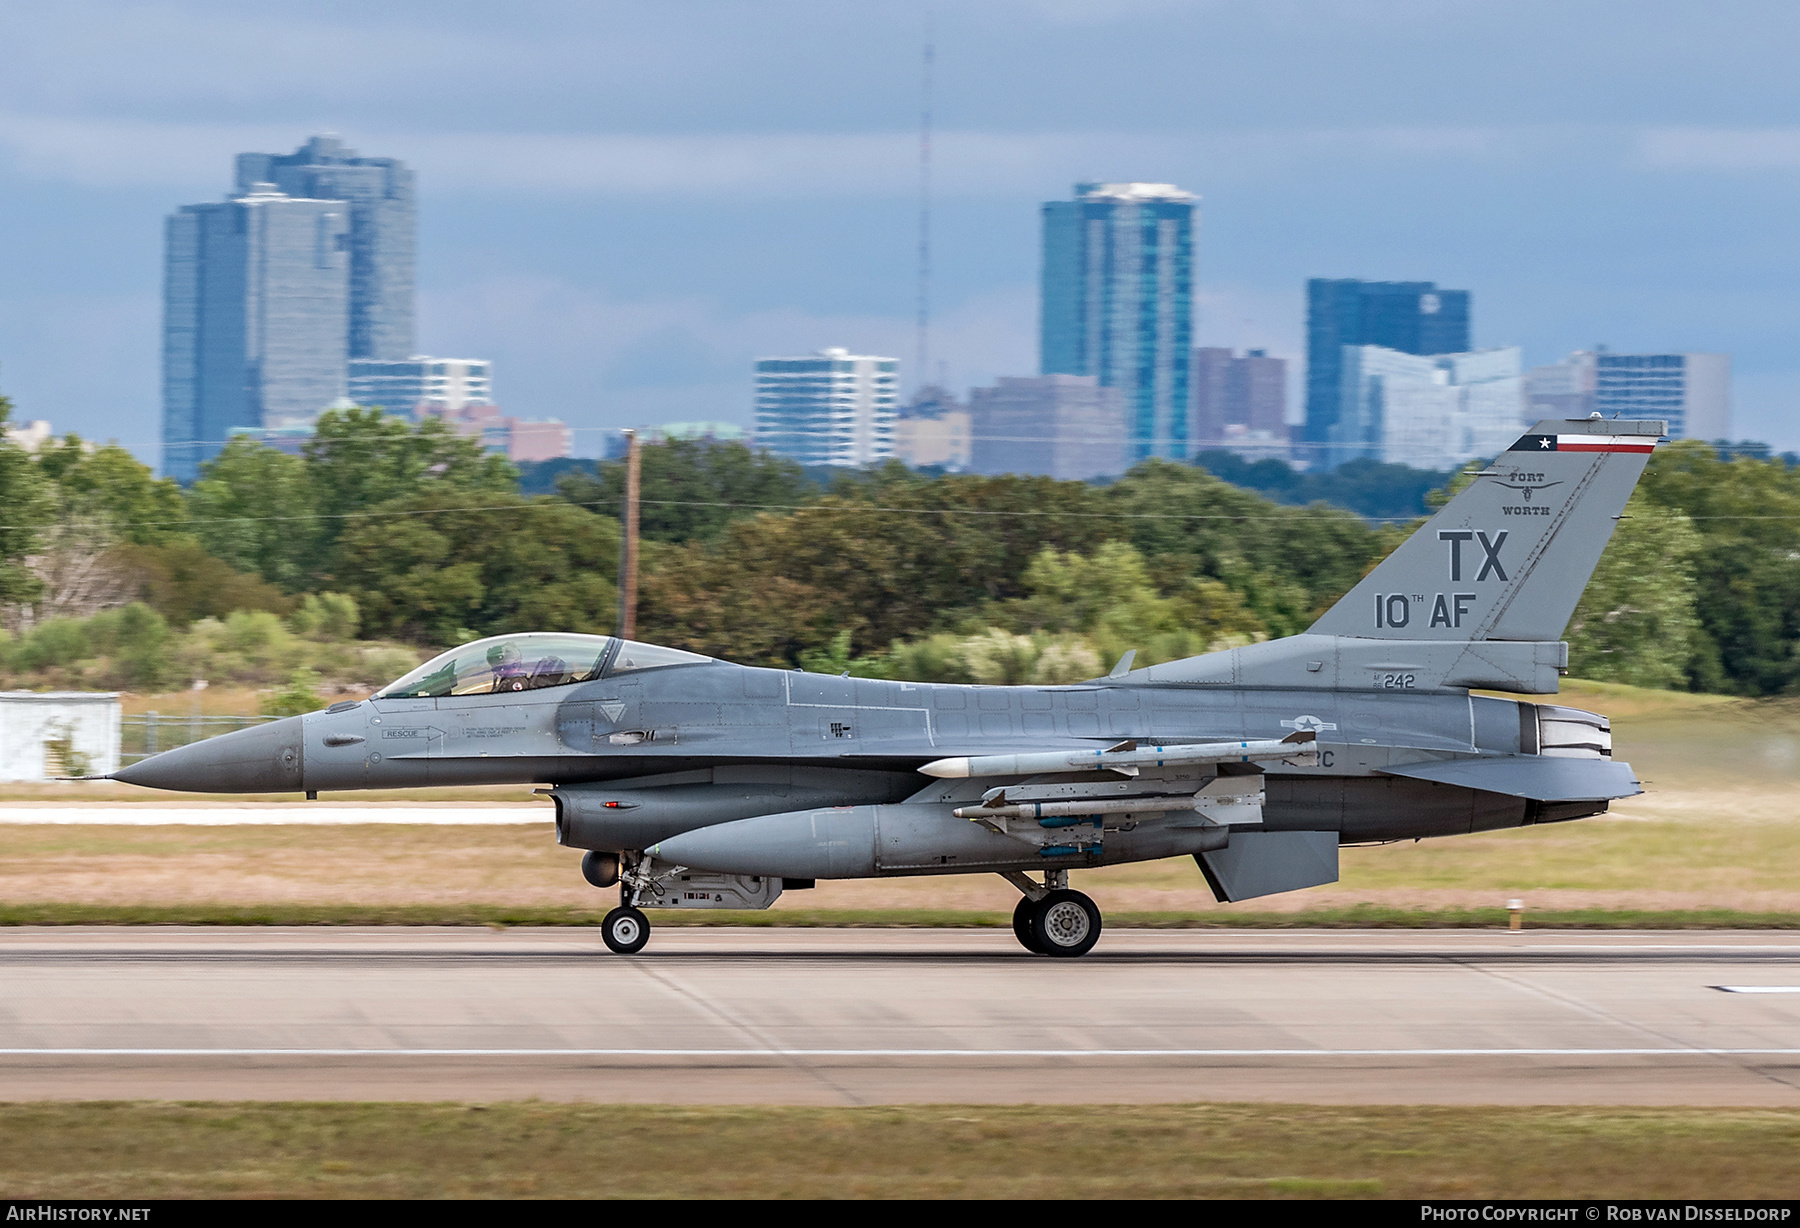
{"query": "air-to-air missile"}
pixel 695 783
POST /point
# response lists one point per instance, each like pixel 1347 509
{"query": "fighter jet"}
pixel 696 783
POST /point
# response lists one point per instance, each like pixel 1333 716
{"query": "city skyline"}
pixel 622 243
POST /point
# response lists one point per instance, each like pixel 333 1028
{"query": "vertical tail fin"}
pixel 1509 556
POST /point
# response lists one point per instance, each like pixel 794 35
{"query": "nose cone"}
pixel 265 759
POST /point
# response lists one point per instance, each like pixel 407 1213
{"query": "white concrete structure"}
pixel 1431 411
pixel 422 385
pixel 834 408
pixel 46 734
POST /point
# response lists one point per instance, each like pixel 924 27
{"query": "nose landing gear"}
pixel 1051 919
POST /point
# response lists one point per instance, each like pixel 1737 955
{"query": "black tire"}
pixel 1065 924
pixel 1022 924
pixel 625 930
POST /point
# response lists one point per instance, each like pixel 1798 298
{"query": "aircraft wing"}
pixel 1537 777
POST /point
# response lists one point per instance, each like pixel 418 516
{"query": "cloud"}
pixel 1720 149
pixel 762 165
pixel 600 362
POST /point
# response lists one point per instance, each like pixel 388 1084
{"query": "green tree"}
pixel 444 561
pixel 1636 621
pixel 1291 563
pixel 27 504
pixel 1747 567
pixel 254 508
pixel 112 492
pixel 690 489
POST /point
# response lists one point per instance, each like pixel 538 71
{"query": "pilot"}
pixel 508 667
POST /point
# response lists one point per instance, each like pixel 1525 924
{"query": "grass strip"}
pixel 1356 917
pixel 544 1150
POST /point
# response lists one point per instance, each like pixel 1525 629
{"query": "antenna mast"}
pixel 924 340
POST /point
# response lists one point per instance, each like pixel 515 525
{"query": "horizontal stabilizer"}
pixel 1269 862
pixel 1542 779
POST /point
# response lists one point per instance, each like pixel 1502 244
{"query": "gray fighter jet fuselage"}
pixel 694 782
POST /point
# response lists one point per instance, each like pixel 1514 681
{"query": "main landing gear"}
pixel 625 930
pixel 1051 919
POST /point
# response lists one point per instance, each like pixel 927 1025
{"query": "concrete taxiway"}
pixel 809 1016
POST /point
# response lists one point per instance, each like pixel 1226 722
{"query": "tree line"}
pixel 414 536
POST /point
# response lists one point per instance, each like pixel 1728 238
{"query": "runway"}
pixel 811 1016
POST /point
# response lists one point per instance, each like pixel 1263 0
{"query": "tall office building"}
pixel 267 295
pixel 1412 317
pixel 1116 303
pixel 255 296
pixel 1239 403
pixel 1065 426
pixel 1692 392
pixel 833 408
pixel 379 193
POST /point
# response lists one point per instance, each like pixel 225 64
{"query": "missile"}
pixel 1128 758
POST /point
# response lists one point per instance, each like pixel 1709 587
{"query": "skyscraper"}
pixel 834 408
pixel 1413 317
pixel 268 294
pixel 255 296
pixel 379 192
pixel 1117 303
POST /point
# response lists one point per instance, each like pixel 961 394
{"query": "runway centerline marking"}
pixel 1758 988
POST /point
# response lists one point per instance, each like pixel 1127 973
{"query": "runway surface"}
pixel 885 1016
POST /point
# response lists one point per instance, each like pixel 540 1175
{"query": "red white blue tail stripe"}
pixel 1584 443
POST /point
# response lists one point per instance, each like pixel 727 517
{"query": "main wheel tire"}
pixel 1065 924
pixel 1022 924
pixel 625 930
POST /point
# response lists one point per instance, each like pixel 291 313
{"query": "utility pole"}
pixel 628 552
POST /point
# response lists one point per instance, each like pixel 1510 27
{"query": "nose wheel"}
pixel 1053 920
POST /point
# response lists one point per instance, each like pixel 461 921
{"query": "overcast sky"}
pixel 623 204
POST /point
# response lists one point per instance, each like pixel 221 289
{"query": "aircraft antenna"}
pixel 924 323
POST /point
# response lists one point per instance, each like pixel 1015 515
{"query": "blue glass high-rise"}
pixel 267 295
pixel 1116 303
pixel 1414 317
pixel 379 192
pixel 255 299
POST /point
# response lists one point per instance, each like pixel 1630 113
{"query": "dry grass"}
pixel 1141 1151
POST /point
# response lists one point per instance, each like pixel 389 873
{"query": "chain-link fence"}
pixel 140 736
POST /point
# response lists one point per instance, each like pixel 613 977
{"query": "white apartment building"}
pixel 1431 411
pixel 832 408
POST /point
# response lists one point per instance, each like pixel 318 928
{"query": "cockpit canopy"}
pixel 529 662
